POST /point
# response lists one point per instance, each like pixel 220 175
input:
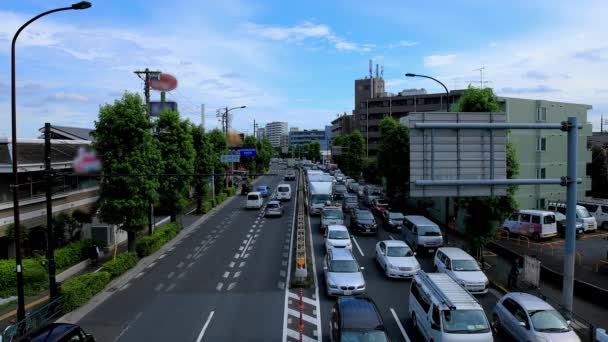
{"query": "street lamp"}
pixel 447 93
pixel 227 110
pixel 18 268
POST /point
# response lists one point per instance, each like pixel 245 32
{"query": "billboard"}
pixel 156 107
pixel 456 154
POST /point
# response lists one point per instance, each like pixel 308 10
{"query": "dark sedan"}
pixel 393 221
pixel 363 222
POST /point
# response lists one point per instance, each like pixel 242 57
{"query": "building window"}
pixel 541 173
pixel 420 101
pixel 362 104
pixel 541 144
pixel 363 116
pixel 540 203
pixel 542 114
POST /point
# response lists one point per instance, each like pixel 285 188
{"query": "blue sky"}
pixel 294 61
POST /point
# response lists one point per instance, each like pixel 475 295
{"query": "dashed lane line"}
pixel 202 333
pixel 231 286
pixel 170 275
pixel 407 339
pixel 219 286
pixel 358 248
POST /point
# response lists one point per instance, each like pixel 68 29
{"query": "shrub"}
pixel 35 276
pixel 80 289
pixel 207 205
pixel 151 243
pixel 121 264
pixel 72 254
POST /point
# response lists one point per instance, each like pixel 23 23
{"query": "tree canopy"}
pixel 394 156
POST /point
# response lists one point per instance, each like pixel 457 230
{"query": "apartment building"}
pixel 274 131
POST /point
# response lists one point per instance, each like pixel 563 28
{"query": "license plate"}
pixel 348 292
pixel 431 250
pixel 367 230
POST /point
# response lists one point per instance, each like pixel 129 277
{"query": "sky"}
pixel 294 61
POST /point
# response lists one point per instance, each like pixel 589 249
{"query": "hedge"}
pixel 151 243
pixel 80 289
pixel 121 264
pixel 207 205
pixel 72 254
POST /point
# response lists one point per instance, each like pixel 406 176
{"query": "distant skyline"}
pixel 294 61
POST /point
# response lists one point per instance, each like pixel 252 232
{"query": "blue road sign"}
pixel 230 158
pixel 248 152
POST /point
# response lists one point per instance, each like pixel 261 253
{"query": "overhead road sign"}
pixel 248 152
pixel 230 158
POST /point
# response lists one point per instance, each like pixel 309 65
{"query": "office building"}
pixel 274 131
pixel 284 141
pixel 261 133
pixel 343 124
pixel 308 136
pixel 293 129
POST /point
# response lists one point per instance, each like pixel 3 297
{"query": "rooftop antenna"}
pixel 370 69
pixel 377 75
pixel 382 71
pixel 481 81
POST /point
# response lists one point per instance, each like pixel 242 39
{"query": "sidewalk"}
pixel 497 269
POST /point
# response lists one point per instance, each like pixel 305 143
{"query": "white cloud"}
pixel 67 97
pixel 439 60
pixel 403 43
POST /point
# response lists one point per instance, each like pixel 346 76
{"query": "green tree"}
pixel 219 146
pixel 126 146
pixel 174 139
pixel 485 214
pixel 250 162
pixel 264 152
pixel 203 164
pixel 354 154
pixel 313 151
pixel 394 156
pixel 599 172
pixel 371 170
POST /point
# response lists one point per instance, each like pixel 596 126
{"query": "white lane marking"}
pixel 97 270
pixel 231 286
pixel 282 273
pixel 139 275
pixel 296 336
pixel 189 256
pixel 226 274
pixel 392 238
pixel 247 245
pixel 159 287
pixel 202 333
pixel 304 299
pixel 128 326
pixel 219 286
pixel 170 275
pixel 180 265
pixel 246 256
pixel 125 286
pixel 171 287
pixel 190 265
pixel 357 244
pixel 241 248
pixel 407 339
pixel 305 317
pixel 181 275
pixel 231 265
pixel 242 264
pixel 237 274
pixel 245 241
pixel 152 265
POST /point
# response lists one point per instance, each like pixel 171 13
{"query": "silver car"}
pixel 343 276
pixel 274 208
pixel 528 318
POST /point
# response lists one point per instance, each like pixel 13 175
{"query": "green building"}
pixel 542 154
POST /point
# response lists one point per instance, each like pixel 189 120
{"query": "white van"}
pixel 535 224
pixel 463 268
pixel 421 234
pixel 283 192
pixel 442 310
pixel 598 208
pixel 582 215
pixel 254 200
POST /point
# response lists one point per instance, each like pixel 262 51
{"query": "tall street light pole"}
pixel 447 93
pixel 18 268
pixel 226 111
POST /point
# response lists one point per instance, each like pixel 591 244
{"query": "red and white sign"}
pixel 166 83
pixel 86 162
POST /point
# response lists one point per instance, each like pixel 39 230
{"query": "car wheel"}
pixel 414 323
pixel 495 324
pixel 435 269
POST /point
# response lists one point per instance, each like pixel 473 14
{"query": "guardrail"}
pixel 301 271
pixel 34 320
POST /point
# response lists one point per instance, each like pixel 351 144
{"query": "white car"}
pixel 461 267
pixel 396 259
pixel 337 236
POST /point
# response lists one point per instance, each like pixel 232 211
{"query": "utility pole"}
pixel 146 76
pixel 367 129
pixel 50 232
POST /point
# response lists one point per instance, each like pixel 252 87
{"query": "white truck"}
pixel 318 194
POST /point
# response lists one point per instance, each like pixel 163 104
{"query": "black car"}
pixel 58 332
pixel 363 222
pixel 356 319
pixel 393 221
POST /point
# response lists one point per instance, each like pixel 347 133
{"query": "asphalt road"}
pixel 390 295
pixel 223 282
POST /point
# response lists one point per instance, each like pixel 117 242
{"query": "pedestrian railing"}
pixel 34 320
pixel 521 238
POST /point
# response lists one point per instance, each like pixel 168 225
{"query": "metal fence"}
pixel 35 319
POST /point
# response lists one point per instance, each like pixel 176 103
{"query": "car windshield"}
pixel 364 336
pixel 465 322
pixel 340 188
pixel 464 265
pixel 364 215
pixel 253 197
pixel 261 188
pixel 334 214
pixel 283 189
pixel 344 266
pixel 338 234
pixel 351 199
pixel 582 213
pixel 399 252
pixel 548 320
pixel 429 231
pixel 395 216
pixel 320 198
pixel 273 206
